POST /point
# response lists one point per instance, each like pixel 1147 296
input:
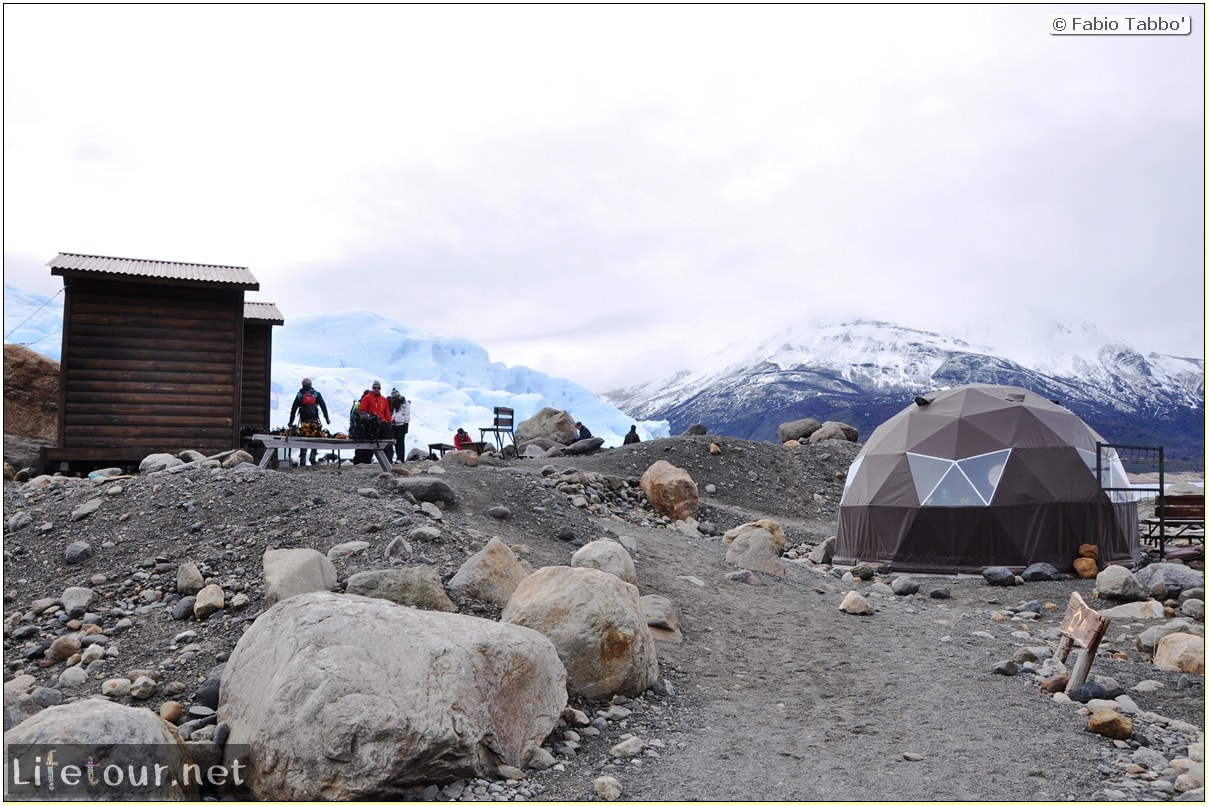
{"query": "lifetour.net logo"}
pixel 116 772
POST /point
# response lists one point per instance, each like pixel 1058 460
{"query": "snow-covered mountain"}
pixel 450 381
pixel 863 372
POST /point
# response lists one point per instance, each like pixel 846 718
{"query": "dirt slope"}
pixel 774 693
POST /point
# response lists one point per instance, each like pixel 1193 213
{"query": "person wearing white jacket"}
pixel 400 416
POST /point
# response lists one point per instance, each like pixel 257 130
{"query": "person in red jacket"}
pixel 376 404
pixel 462 440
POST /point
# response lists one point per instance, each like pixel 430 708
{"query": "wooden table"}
pixel 276 442
pixel 477 447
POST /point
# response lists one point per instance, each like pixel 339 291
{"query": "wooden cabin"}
pixel 156 359
pixel 259 319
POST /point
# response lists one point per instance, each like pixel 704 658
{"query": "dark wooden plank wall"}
pixel 257 374
pixel 149 368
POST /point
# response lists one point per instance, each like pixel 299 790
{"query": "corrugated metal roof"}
pixel 263 312
pixel 69 263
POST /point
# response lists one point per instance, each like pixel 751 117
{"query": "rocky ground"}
pixel 773 694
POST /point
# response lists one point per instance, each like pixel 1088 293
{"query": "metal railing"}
pixel 1138 454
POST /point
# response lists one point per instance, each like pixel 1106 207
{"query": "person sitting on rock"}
pixel 632 437
pixel 584 433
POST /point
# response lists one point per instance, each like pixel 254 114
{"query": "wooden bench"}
pixel 1176 516
pixel 277 442
pixel 501 424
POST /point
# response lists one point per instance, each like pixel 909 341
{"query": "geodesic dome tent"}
pixel 984 475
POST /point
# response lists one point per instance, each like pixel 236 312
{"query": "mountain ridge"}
pixel 864 371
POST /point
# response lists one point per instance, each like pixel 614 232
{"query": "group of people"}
pixel 392 412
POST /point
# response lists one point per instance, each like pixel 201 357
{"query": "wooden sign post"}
pixel 1083 626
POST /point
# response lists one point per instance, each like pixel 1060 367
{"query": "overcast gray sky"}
pixel 610 193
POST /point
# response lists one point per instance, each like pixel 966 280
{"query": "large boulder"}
pixel 1181 652
pixel 608 556
pixel 1134 611
pixel 671 491
pixel 756 550
pixel 549 423
pixel 1148 640
pixel 289 572
pixel 338 697
pixel 1172 575
pixel 419 586
pixel 491 574
pixel 24 454
pixel 112 735
pixel 833 430
pixel 597 624
pixel 582 446
pixel 427 488
pixel 766 524
pixel 1117 582
pixel 158 462
pixel 797 429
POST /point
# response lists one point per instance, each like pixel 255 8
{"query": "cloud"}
pixel 616 190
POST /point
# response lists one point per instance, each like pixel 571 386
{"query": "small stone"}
pixel 1006 668
pixel 184 608
pixel 115 688
pixel 46 696
pixel 606 787
pixel 62 648
pixel 629 748
pixel 856 605
pixel 1052 685
pixel 77 600
pixel 209 601
pixel 189 579
pixel 170 711
pixel 84 510
pixel 863 571
pixel 1106 722
pixel 73 678
pixel 78 552
pixel 142 688
pixel 999 575
pixel 347 549
pixel 1091 690
pixel 541 759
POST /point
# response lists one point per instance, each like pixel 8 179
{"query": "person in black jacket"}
pixel 307 405
pixel 632 437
